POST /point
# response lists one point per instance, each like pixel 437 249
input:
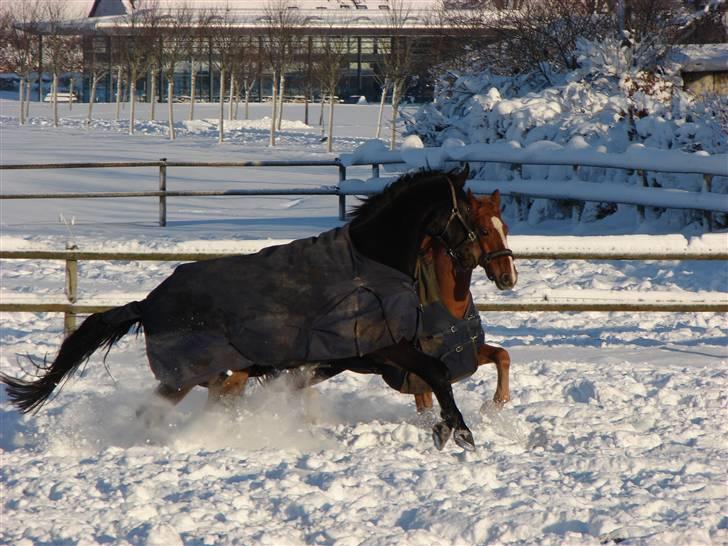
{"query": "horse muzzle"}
pixel 506 280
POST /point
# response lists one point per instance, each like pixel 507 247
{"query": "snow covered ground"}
pixel 616 432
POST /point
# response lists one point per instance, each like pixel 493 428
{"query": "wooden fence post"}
pixel 69 318
pixel 342 197
pixel 707 215
pixel 641 208
pixel 575 208
pixel 163 188
pixel 521 200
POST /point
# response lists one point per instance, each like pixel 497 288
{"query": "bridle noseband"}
pixel 455 250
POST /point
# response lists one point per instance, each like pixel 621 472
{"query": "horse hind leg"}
pixel 423 401
pixel 153 412
pixel 226 389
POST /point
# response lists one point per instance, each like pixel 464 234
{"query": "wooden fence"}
pixel 71 305
pixel 640 197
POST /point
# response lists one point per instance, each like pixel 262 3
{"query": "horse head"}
pixel 495 256
pixel 475 234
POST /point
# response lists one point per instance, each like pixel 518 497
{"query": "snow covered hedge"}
pixel 608 103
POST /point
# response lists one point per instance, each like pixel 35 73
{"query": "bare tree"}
pixel 309 78
pixel 137 37
pixel 330 62
pixel 541 34
pixel 398 59
pixel 174 28
pixel 225 40
pixel 281 42
pixel 197 49
pixel 96 69
pixel 19 45
pixel 61 49
pixel 245 68
pixel 119 67
pixel 74 65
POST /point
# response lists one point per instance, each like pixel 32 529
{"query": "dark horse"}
pixel 346 294
pixel 452 330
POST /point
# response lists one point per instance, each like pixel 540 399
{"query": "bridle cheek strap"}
pixel 470 236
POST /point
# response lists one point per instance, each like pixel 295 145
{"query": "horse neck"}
pixel 453 282
pixel 392 237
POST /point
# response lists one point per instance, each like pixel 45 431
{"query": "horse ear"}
pixel 495 196
pixel 459 178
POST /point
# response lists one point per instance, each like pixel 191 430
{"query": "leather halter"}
pixel 454 251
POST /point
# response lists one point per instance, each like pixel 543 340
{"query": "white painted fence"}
pixel 637 158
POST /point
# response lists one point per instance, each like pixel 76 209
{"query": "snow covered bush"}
pixel 609 102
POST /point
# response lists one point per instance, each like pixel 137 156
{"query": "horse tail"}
pixel 98 330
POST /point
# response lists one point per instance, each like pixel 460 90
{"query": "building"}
pixel 368 29
pixel 704 68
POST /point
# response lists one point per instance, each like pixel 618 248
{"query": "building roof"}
pixel 102 8
pixel 370 16
pixel 702 57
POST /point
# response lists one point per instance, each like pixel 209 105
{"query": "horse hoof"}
pixel 464 438
pixel 441 434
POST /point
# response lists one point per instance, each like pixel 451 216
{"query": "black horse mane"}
pixel 372 205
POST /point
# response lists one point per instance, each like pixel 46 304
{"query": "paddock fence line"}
pixel 553 300
pixel 641 196
pixel 163 165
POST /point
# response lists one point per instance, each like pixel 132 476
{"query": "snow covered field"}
pixel 616 431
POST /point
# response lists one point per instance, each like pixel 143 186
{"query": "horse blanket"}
pixel 312 300
pixel 452 340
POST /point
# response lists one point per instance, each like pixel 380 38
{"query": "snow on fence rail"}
pixel 630 247
pixel 637 158
pixel 414 155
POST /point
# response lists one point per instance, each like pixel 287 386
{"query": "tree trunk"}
pixel 132 101
pixel 92 99
pixel 70 96
pixel 221 135
pixel 280 99
pixel 381 108
pixel 274 114
pixel 305 108
pixel 396 90
pixel 118 94
pixel 170 106
pixel 28 87
pixel 54 98
pixel 153 96
pixel 193 90
pixel 247 97
pixel 232 98
pixel 330 141
pixel 321 113
pixel 21 98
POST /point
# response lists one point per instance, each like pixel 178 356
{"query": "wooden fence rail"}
pixel 163 193
pixel 640 197
pixel 607 300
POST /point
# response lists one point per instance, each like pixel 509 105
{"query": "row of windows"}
pixel 349 44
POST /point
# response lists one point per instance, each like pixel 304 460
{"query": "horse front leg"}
pixel 434 373
pixel 502 361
